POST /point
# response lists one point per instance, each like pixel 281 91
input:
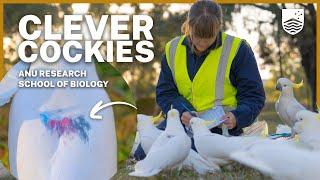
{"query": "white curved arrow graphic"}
pixel 96 108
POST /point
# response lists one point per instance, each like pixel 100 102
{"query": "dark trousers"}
pixel 139 154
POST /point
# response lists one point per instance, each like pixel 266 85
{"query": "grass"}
pixel 231 171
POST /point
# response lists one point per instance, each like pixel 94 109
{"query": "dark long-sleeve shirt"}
pixel 244 76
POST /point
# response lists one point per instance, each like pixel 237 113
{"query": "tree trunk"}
pixel 307 46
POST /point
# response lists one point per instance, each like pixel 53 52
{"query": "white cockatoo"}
pixel 287 106
pixel 196 162
pixel 146 135
pixel 51 135
pixel 168 151
pixel 147 132
pixel 217 148
pixel 280 160
pixel 308 128
pixel 40 137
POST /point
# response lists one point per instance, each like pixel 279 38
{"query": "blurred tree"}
pixel 142 77
pixel 303 43
pixel 11 20
pixel 13 13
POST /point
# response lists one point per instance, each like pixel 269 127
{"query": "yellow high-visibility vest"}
pixel 211 85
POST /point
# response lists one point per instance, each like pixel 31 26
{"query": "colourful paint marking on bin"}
pixel 66 125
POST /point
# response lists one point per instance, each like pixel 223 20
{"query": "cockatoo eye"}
pixel 285 85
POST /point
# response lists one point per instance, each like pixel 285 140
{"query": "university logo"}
pixel 292 20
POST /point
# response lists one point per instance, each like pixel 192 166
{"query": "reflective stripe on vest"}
pixel 222 69
pixel 213 87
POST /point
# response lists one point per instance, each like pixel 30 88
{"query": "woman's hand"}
pixel 186 117
pixel 231 121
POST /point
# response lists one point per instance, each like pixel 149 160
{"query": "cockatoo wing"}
pixel 210 146
pixel 281 108
pixel 292 110
pixel 277 106
pixel 289 162
pixel 160 141
pixel 169 154
pixel 245 158
pixel 72 152
pixel 36 145
pixel 148 137
pixel 202 166
pixel 287 107
pixel 217 146
pixel 9 84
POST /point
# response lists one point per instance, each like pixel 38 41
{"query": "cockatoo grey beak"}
pixel 279 87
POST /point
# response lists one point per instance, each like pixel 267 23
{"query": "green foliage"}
pixel 118 90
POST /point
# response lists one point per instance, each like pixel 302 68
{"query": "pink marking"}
pixel 53 123
pixel 77 125
pixel 65 122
